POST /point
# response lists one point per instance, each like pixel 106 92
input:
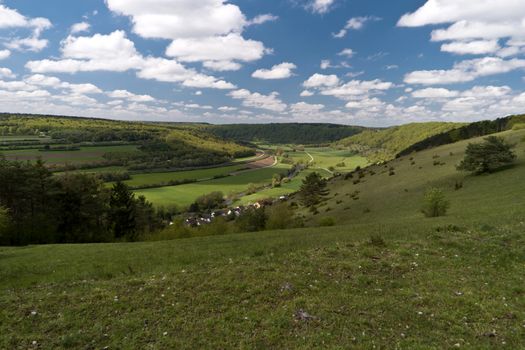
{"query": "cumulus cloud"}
pixel 4 54
pixel 260 19
pixel 116 53
pixel 269 102
pixel 208 31
pixel 80 27
pixel 348 53
pixel 12 19
pixel 279 71
pixel 465 71
pixel 126 95
pixel 320 80
pixel 475 27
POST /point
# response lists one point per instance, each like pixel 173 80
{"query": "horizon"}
pixel 372 64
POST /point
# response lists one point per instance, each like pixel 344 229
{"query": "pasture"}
pixel 58 157
pixel 184 195
pixel 164 177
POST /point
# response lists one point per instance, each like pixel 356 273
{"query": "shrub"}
pixel 326 221
pixel 280 216
pixel 4 223
pixel 435 203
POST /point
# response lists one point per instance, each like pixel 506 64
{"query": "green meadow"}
pixel 184 195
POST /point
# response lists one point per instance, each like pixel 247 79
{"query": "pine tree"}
pixel 488 156
pixel 313 189
pixel 122 211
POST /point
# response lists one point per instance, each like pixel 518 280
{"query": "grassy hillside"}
pixel 385 144
pixel 386 277
pixel 284 133
pixel 381 196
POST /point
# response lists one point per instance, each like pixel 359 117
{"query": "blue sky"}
pixel 365 62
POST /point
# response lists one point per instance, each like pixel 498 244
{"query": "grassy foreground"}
pixel 431 285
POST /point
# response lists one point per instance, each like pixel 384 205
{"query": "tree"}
pixel 4 224
pixel 313 189
pixel 435 203
pixel 251 220
pixel 122 212
pixel 488 156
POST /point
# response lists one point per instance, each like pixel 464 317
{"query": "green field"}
pixel 164 177
pixel 6 138
pixel 184 195
pixel 84 155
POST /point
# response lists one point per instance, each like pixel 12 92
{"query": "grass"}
pixel 383 196
pixel 326 157
pixel 84 155
pixel 184 195
pixel 164 177
pixel 305 288
pixel 388 278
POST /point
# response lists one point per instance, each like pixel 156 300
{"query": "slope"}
pixel 285 133
pixel 386 279
pixel 384 144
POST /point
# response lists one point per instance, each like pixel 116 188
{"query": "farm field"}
pixel 9 138
pixel 326 157
pixel 163 177
pixel 84 155
pixel 184 195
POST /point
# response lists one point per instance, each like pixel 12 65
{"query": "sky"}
pixel 357 62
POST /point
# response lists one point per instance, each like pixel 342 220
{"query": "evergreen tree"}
pixel 488 156
pixel 313 189
pixel 122 212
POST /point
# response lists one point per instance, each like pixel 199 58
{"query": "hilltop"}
pixel 285 133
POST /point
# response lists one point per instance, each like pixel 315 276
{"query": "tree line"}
pixel 38 208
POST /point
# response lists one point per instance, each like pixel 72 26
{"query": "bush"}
pixel 435 203
pixel 280 216
pixel 326 221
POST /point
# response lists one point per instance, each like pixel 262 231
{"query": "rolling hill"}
pixel 384 277
pixel 385 144
pixel 285 133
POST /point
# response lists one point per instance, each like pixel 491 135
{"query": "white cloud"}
pixel 7 73
pixel 476 25
pixel 357 88
pixel 434 93
pixel 325 64
pixel 349 53
pixel 126 95
pixel 227 109
pixel 355 23
pixel 476 47
pixel 256 100
pixel 305 108
pixel 465 71
pixel 12 19
pixel 260 19
pixel 207 31
pixel 80 27
pixel 306 93
pixel 226 48
pixel 279 71
pixel 162 19
pixel 4 54
pixel 116 53
pixel 321 6
pixel 320 80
